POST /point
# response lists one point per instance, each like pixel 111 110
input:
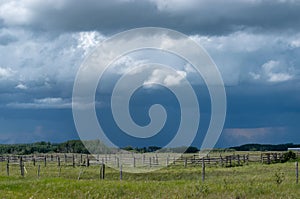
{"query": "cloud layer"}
pixel 254 43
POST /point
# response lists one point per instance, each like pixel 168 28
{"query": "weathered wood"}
pixel 121 172
pixel 297 174
pixel 118 162
pixel 45 160
pixel 21 166
pixel 87 161
pixel 33 161
pixel 203 169
pixel 133 162
pixel 102 171
pixel 167 161
pixel 7 169
pixel 58 161
pixel 73 160
pixel 143 160
pixel 38 172
pixel 221 160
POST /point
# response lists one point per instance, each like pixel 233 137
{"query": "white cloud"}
pixel 275 72
pixel 6 72
pixel 240 41
pixel 88 40
pixel 295 43
pixel 21 86
pixel 279 77
pixel 165 78
pixel 44 103
pixel 125 65
pixel 15 12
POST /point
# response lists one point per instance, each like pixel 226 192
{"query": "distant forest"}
pixel 76 146
pixel 72 146
pixel 265 147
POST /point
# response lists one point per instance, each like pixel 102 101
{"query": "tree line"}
pixel 265 147
pixel 76 146
pixel 71 146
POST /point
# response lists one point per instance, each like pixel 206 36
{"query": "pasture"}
pixel 252 180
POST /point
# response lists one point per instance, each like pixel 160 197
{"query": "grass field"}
pixel 250 181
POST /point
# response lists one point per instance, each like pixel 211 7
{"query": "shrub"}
pixel 290 155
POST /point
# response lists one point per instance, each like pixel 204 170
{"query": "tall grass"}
pixel 252 181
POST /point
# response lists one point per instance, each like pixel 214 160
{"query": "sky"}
pixel 254 43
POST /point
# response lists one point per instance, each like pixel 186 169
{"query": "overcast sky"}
pixel 255 44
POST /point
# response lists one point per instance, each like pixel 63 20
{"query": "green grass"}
pixel 252 181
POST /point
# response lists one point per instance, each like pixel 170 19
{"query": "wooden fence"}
pixel 137 161
pixel 142 160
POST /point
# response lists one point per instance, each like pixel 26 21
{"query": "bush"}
pixel 290 155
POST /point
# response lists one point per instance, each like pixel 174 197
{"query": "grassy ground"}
pixel 252 181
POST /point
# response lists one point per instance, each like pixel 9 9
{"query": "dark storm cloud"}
pixel 254 43
pixel 204 17
pixel 255 106
pixel 7 39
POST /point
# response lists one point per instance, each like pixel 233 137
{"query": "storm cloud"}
pixel 254 43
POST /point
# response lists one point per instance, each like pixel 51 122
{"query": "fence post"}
pixel 7 168
pixel 33 161
pixel 174 160
pixel 221 160
pixel 203 169
pixel 87 160
pixel 150 162
pixel 102 171
pixel 73 160
pixel 21 166
pixel 39 169
pixel 133 163
pixel 185 162
pixel 167 161
pixel 58 161
pixel 121 173
pixel 297 174
pixel 143 160
pixel 45 160
pixel 65 156
pixel 247 159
